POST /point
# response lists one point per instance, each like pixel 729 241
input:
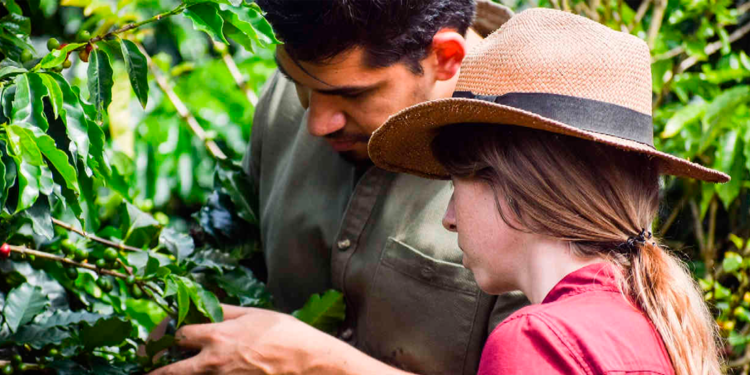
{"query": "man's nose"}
pixel 449 218
pixel 324 117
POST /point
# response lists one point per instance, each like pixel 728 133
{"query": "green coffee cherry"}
pixel 81 254
pixel 68 247
pixel 71 273
pixel 130 355
pixel 52 44
pixel 130 280
pixel 84 35
pixel 67 64
pixel 110 254
pixel 26 56
pixel 16 358
pixel 23 367
pixel 104 284
pixel 7 369
pixel 101 263
pixel 53 352
pixel 136 292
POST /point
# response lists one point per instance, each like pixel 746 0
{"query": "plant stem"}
pixel 136 25
pixel 672 216
pixel 47 256
pixel 715 46
pixel 212 147
pixel 235 72
pixel 93 237
pixel 660 6
pixel 639 14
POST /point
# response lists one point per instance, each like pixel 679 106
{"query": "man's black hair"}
pixel 389 31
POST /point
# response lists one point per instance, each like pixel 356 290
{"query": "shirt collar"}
pixel 597 276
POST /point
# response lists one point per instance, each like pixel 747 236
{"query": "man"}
pixel 329 219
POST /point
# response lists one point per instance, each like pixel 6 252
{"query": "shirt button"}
pixel 347 334
pixel 344 244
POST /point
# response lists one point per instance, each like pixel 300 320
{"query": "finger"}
pixel 184 367
pixel 195 336
pixel 233 312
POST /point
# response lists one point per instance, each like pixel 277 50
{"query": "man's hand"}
pixel 249 341
pixel 255 341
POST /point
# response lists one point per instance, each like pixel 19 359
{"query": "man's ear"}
pixel 449 49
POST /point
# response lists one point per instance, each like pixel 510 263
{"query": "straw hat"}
pixel 543 69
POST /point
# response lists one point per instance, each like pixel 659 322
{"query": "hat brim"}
pixel 403 143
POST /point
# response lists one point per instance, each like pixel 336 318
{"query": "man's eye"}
pixel 355 95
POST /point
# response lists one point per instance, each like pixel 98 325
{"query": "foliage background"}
pixel 160 164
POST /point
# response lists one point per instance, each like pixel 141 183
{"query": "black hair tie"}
pixel 635 242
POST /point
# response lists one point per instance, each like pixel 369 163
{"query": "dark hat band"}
pixel 581 113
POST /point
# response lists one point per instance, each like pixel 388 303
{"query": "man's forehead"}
pixel 346 71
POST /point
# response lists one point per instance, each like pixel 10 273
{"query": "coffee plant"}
pixel 120 206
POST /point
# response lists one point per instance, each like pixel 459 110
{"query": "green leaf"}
pixel 324 313
pixel 732 261
pixel 55 93
pixel 241 18
pixel 97 159
pixel 38 337
pixel 22 304
pixel 233 182
pixel 16 24
pixel 208 304
pixel 74 118
pixel 8 71
pixel 12 6
pixel 3 192
pixel 238 36
pixel 66 318
pixel 28 157
pixel 28 105
pixel 57 158
pixel 183 302
pixel 721 292
pixel 58 56
pixel 41 220
pixel 205 18
pixel 242 284
pixel 180 245
pixel 142 229
pixel 683 116
pixel 137 67
pixel 730 159
pixel 109 331
pixel 100 81
pixel 266 34
pixel 726 44
pixel 205 301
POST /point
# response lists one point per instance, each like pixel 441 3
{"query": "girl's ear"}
pixel 449 49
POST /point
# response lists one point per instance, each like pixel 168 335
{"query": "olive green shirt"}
pixel 374 235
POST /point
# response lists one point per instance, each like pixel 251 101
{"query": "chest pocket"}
pixel 422 311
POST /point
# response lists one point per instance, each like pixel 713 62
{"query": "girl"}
pixel 548 141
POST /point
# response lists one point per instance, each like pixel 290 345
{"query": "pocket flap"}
pixel 411 262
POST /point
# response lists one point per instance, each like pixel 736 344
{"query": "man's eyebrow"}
pixel 339 91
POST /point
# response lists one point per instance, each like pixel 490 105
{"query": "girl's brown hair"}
pixel 594 196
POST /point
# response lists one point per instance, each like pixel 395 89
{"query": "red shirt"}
pixel 583 326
